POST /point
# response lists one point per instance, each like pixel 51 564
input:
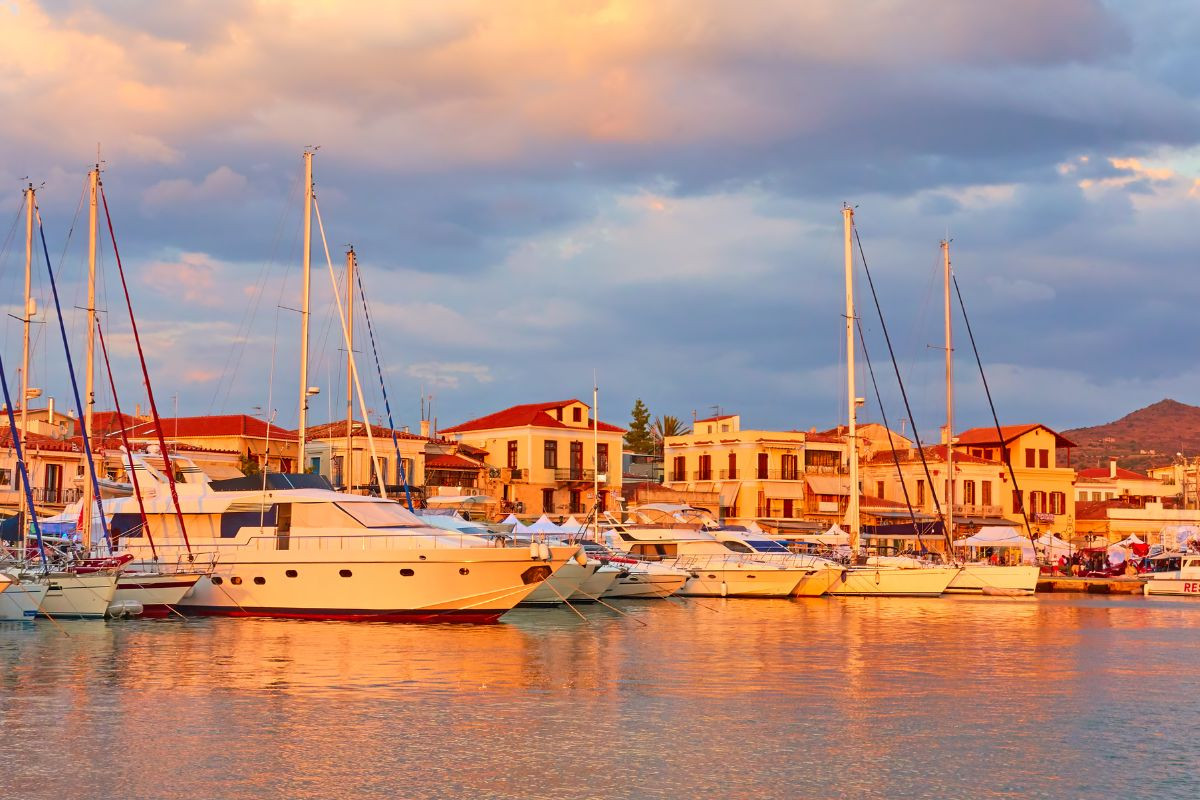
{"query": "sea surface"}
pixel 1046 697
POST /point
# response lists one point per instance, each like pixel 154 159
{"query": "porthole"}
pixel 421 557
pixel 260 581
pixel 750 576
pixel 345 573
pixel 712 577
pixel 217 580
pixel 235 580
pixel 406 572
pixel 291 573
pixel 464 571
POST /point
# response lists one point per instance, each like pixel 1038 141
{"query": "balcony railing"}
pixel 702 475
pixel 577 474
pixel 730 474
pixel 450 478
pixel 55 497
pixel 514 474
pixel 978 510
pixel 778 475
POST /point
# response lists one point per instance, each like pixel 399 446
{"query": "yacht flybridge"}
pixel 289 546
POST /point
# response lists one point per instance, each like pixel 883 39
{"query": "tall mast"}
pixel 852 400
pixel 596 453
pixel 89 380
pixel 348 460
pixel 308 193
pixel 30 196
pixel 949 401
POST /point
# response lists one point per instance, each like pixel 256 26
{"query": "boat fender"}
pixel 876 577
pixel 724 589
pixel 120 609
pixel 533 550
pixel 544 551
pixel 581 557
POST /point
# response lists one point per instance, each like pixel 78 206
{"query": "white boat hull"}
pixel 71 596
pixel 561 585
pixel 884 581
pixel 646 583
pixel 595 585
pixel 974 578
pixel 817 582
pixel 1167 587
pixel 741 581
pixel 157 594
pixel 21 600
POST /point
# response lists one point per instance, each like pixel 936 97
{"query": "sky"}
pixel 648 192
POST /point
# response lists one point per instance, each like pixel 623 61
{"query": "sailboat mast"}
pixel 348 460
pixel 852 400
pixel 949 399
pixel 303 421
pixel 89 379
pixel 596 453
pixel 30 196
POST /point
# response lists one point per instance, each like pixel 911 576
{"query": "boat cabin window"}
pixel 380 515
pixel 768 546
pixel 738 547
pixel 655 549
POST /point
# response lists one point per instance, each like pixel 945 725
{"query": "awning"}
pixel 727 491
pixel 828 484
pixel 221 471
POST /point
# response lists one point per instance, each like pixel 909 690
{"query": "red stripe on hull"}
pixel 474 616
pixel 147 585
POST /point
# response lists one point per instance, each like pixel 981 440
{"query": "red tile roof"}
pixel 528 415
pixel 985 436
pixel 449 461
pixel 337 430
pixel 214 426
pixel 1094 473
pixel 935 453
pixel 36 441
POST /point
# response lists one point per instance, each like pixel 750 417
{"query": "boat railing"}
pixel 719 561
pixel 441 540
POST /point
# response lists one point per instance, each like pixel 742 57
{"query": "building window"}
pixel 788 509
pixel 1044 459
pixel 576 501
pixel 602 458
pixel 577 414
pixel 6 477
pixel 1030 455
pixel 705 473
pixel 1017 504
pixel 550 454
pixel 879 489
pixel 920 491
pixel 548 501
pixel 679 468
pixel 404 471
pixel 968 497
pixel 763 463
pixel 732 466
pixel 335 466
pixel 383 466
pixel 1058 503
pixel 558 414
pixel 512 454
pixel 985 488
pixel 789 467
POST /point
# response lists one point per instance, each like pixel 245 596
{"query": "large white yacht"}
pixel 681 541
pixel 290 546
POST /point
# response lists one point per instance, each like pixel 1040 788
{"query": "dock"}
pixel 1062 583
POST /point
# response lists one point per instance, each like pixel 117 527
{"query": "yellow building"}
pixel 541 458
pixel 328 443
pixel 1114 483
pixel 1046 489
pixel 762 476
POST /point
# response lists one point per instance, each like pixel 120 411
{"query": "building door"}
pixel 53 485
pixel 547 501
pixel 576 461
pixel 788 509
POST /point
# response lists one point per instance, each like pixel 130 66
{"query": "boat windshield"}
pixel 381 515
pixel 767 546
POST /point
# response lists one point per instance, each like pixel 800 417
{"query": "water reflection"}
pixel 846 697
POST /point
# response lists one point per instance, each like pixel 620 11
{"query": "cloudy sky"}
pixel 650 190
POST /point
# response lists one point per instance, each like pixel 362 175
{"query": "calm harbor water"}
pixel 1054 697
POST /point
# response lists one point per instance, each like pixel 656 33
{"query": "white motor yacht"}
pixel 1183 582
pixel 289 546
pixel 595 585
pixel 680 540
pixel 821 573
pixel 637 579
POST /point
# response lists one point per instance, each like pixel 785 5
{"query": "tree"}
pixel 664 426
pixel 248 465
pixel 638 438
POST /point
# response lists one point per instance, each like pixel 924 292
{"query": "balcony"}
pixel 730 474
pixel 577 475
pixel 702 474
pixel 513 474
pixel 55 497
pixel 778 475
pixel 978 511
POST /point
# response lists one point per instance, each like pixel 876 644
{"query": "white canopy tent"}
pixel 1053 546
pixel 543 524
pixel 511 519
pixel 834 537
pixel 999 536
pixel 571 525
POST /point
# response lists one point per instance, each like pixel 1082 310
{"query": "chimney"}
pixel 425 428
pixel 1112 466
pixel 50 410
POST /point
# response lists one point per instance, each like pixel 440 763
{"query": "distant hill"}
pixel 1148 437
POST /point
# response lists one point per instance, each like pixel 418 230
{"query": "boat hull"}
pixel 85 596
pixel 1166 587
pixel 893 582
pixel 645 585
pixel 975 578
pixel 740 582
pixel 466 585
pixel 561 585
pixel 817 582
pixel 158 595
pixel 21 600
pixel 595 585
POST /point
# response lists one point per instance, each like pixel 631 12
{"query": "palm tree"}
pixel 665 426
